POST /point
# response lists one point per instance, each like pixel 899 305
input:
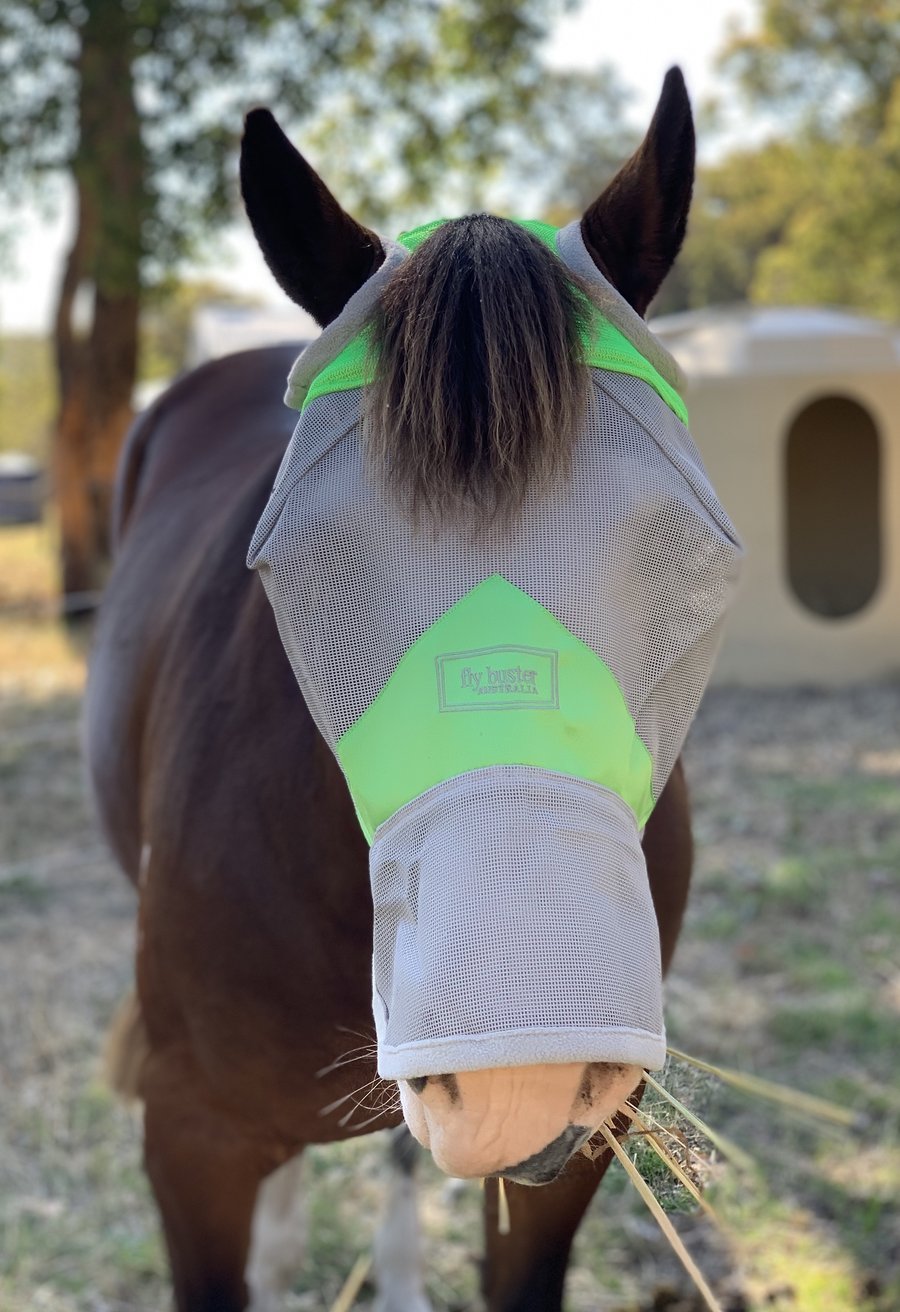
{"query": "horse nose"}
pixel 544 1166
pixel 477 1122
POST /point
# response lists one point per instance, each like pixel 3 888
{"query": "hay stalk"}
pixel 807 1104
pixel 662 1221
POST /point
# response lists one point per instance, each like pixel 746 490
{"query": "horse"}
pixel 228 812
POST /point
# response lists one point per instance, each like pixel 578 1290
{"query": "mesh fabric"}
pixel 513 921
pixel 632 553
pixel 502 940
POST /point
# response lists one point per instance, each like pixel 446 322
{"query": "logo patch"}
pixel 498 679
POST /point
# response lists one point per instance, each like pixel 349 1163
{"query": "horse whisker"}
pixel 360 1047
pixel 385 1104
pixel 378 1085
pixel 347 1059
pixel 362 1124
pixel 360 1094
pixel 361 1105
pixel 333 1106
pixel 662 1221
pixel 357 1034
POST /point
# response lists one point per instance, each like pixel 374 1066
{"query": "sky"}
pixel 643 38
pixel 639 38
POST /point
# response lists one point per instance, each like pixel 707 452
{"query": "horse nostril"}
pixel 446 1082
pixel 547 1164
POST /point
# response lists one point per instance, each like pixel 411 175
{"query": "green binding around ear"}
pixel 497 680
pixel 603 345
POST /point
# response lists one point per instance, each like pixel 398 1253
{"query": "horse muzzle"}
pixel 522 1122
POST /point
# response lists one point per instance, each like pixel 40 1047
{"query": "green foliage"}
pixel 809 216
pixel 742 208
pixel 21 890
pixel 396 97
pixel 859 1032
pixel 840 245
pixel 140 102
pixel 548 155
pixel 575 147
pixel 830 65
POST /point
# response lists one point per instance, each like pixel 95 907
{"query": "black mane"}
pixel 479 387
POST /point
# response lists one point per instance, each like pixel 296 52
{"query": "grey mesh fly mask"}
pixel 506 705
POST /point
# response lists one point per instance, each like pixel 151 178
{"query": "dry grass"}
pixel 788 968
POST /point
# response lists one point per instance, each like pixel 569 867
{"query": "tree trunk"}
pixel 97 362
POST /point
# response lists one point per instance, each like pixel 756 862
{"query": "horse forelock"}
pixel 478 387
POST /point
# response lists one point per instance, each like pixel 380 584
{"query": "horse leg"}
pixel 205 1168
pixel 525 1270
pixel 398 1243
pixel 279 1236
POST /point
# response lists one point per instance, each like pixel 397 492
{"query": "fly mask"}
pixel 506 699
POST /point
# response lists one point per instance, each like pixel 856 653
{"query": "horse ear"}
pixel 635 228
pixel 319 255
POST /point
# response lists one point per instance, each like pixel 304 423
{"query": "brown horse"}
pixel 226 809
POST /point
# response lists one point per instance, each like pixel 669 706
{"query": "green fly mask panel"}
pixel 507 703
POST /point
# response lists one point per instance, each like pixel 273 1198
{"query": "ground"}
pixel 788 967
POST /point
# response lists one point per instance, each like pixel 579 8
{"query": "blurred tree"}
pixel 808 216
pixel 140 101
pixel 580 142
pixel 742 208
pixel 840 245
pixel 826 66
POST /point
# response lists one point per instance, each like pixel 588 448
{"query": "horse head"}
pixel 499 572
